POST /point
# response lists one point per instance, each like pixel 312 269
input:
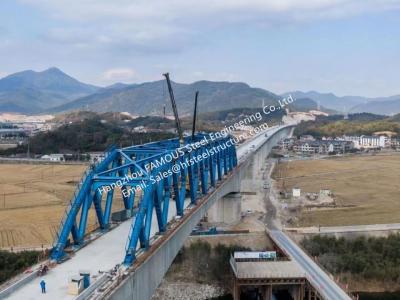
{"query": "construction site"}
pixel 349 190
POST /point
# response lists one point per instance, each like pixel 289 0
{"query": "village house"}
pixel 322 147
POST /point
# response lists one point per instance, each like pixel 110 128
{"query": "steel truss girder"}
pixel 146 186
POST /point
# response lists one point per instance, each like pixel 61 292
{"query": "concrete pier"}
pixel 226 211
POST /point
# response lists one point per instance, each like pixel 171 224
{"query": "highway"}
pixel 109 249
pixel 327 287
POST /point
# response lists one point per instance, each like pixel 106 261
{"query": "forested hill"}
pixel 151 97
pixel 356 124
pixel 88 135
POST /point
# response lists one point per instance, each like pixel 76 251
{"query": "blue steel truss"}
pixel 147 177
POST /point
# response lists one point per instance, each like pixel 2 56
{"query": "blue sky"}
pixel 348 47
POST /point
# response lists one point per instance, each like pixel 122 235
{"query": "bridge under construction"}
pixel 161 211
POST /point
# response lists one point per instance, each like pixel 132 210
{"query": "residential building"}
pixel 395 143
pixel 368 141
pixel 287 144
pixel 307 137
pixel 12 134
pixel 322 146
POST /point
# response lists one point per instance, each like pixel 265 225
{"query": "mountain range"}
pixel 53 91
pixel 352 104
pixel 32 92
pixel 150 98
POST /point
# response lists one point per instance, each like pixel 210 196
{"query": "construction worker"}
pixel 43 286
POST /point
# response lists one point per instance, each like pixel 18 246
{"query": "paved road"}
pixel 271 218
pixel 318 278
pixel 108 250
pixel 351 228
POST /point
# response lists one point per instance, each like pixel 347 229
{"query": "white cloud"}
pixel 3 74
pixel 160 11
pixel 91 36
pixel 119 75
pixel 168 25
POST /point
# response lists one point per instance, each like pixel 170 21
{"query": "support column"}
pixel 236 290
pixel 302 291
pixel 226 210
pixel 296 292
pixel 267 292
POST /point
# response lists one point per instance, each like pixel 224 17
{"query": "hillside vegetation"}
pixel 219 119
pixel 357 124
pixel 201 263
pixel 13 263
pixel 88 135
pixel 375 259
pixel 151 97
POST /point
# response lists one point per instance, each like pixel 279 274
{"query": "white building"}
pixel 96 157
pixel 287 144
pixel 368 141
pixel 139 129
pixel 322 146
pixel 53 157
pixel 296 192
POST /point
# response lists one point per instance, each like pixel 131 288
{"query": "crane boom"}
pixel 195 114
pixel 175 109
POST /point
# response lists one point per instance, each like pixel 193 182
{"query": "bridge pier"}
pixel 297 292
pixel 226 211
pixel 268 290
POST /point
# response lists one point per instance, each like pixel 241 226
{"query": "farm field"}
pixel 366 188
pixel 33 198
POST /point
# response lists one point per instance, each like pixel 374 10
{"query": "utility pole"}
pixel 28 154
